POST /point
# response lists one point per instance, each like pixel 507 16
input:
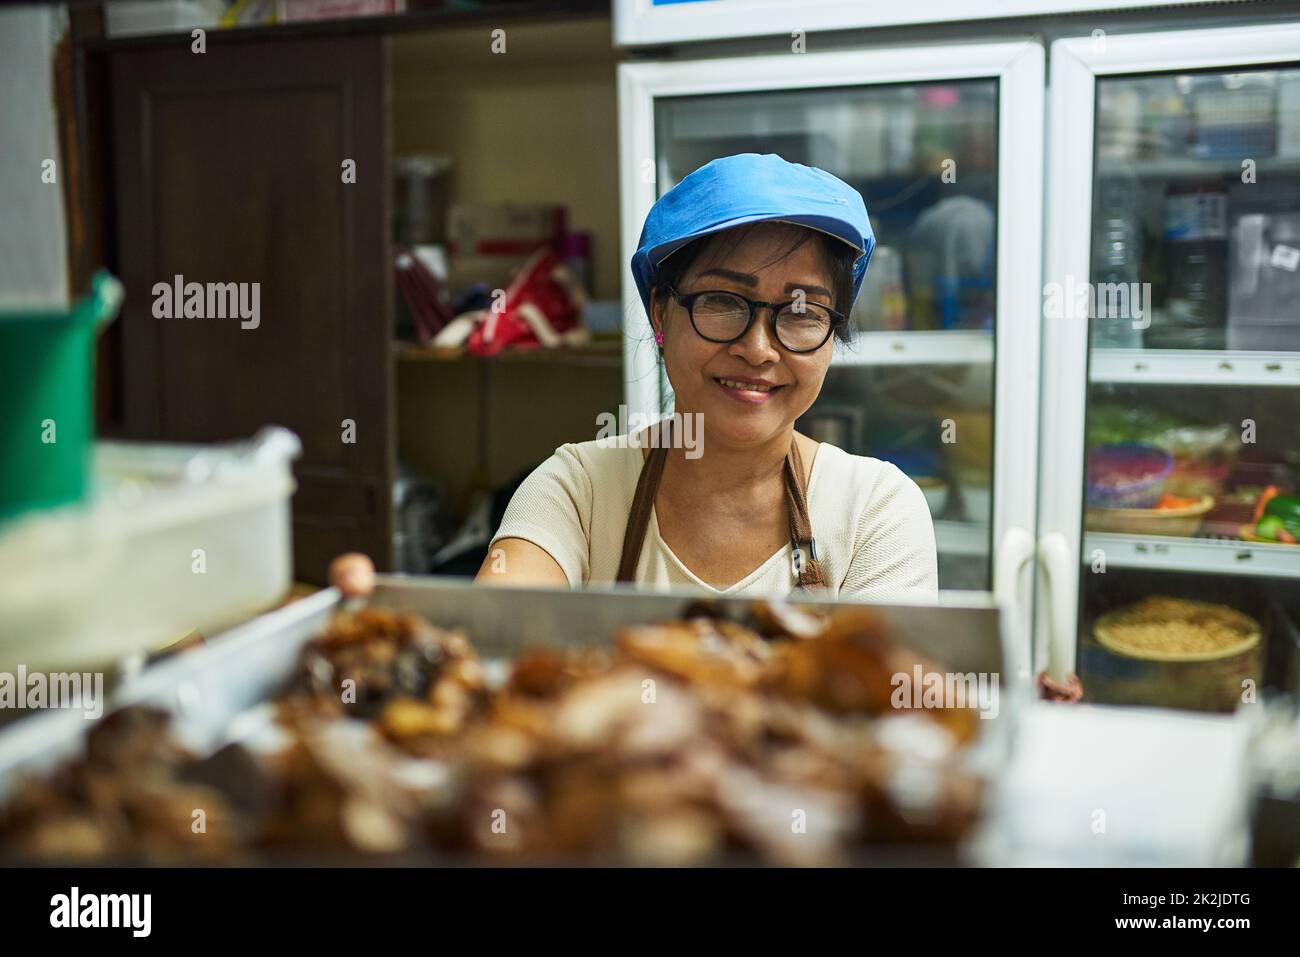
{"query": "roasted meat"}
pixel 685 742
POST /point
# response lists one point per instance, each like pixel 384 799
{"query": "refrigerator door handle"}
pixel 1015 552
pixel 1054 554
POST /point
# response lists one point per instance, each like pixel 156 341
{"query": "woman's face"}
pixel 696 366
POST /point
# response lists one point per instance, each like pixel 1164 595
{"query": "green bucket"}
pixel 46 426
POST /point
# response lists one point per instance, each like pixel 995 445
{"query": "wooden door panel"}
pixel 229 171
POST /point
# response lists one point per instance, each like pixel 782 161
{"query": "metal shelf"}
pixel 1207 555
pixel 1194 367
pixel 944 347
pixel 595 355
pixel 962 538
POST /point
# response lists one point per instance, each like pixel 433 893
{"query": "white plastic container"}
pixel 175 538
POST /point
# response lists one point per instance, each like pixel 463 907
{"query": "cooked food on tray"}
pixel 683 742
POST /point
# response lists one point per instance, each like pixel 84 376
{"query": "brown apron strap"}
pixel 796 495
pixel 647 486
pixel 801 535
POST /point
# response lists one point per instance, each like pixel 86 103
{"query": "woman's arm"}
pixel 517 561
pixel 512 561
pixel 543 537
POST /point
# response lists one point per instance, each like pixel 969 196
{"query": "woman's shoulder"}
pixel 869 498
pixel 613 448
pixel 863 475
pixel 604 458
pixel 593 477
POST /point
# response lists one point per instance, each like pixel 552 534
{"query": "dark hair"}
pixel 839 255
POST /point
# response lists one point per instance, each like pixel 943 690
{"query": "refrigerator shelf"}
pixel 1208 555
pixel 1191 167
pixel 930 348
pixel 1194 367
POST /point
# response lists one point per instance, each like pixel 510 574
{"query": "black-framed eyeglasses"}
pixel 719 316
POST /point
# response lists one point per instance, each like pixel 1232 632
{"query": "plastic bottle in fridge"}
pixel 1196 262
pixel 1117 248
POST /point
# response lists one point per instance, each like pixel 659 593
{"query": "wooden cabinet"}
pixel 228 167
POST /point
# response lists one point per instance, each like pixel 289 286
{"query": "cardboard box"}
pixel 488 242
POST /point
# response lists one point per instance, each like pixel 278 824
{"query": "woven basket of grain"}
pixel 1183 653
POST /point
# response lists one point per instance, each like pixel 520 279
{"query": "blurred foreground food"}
pixel 686 742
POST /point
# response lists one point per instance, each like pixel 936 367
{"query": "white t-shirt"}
pixel 874 536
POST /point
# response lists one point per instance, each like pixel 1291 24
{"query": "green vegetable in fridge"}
pixel 1268 528
pixel 1282 518
pixel 1118 424
pixel 1285 507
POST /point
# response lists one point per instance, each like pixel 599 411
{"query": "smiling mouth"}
pixel 736 385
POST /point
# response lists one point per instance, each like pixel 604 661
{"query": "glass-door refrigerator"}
pixel 1170 467
pixel 944 142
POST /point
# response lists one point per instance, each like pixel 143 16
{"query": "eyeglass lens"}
pixel 722 317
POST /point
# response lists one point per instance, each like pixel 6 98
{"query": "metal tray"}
pixel 206 689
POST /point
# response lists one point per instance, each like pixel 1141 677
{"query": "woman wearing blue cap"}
pixel 748 269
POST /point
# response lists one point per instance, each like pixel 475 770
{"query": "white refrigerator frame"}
pixel 1018 65
pixel 1075 66
pixel 643 22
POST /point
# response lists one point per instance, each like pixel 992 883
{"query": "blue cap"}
pixel 751 188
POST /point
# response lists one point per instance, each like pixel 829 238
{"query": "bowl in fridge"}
pixel 1175 653
pixel 979 503
pixel 975 494
pixel 1160 628
pixel 1127 475
pixel 935 491
pixel 1183 521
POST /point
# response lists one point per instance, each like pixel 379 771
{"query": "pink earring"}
pixel 659 337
